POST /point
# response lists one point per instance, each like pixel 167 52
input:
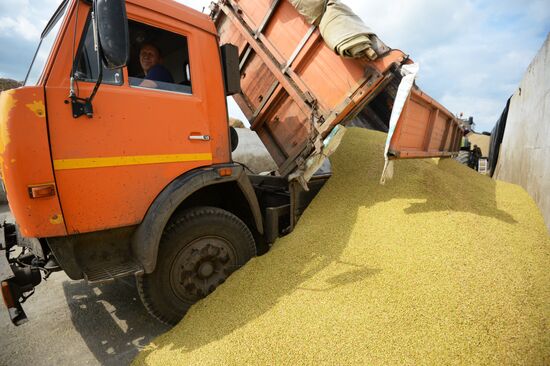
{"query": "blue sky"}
pixel 472 53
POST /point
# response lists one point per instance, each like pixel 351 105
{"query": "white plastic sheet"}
pixel 345 32
pixel 312 10
pixel 342 30
pixel 409 73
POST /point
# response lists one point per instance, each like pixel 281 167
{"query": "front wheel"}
pixel 198 251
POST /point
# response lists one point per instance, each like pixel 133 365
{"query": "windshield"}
pixel 45 46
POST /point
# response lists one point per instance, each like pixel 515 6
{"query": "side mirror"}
pixel 231 72
pixel 112 28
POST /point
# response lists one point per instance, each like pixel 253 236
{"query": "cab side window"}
pixel 159 59
pixel 86 61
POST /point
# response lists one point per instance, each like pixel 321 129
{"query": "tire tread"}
pixel 171 228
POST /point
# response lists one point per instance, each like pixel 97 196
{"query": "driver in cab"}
pixel 150 61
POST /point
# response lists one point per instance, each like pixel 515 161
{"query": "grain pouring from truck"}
pixel 108 176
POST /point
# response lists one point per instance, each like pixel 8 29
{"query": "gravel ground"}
pixel 72 323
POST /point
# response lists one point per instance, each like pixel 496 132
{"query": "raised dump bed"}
pixel 295 89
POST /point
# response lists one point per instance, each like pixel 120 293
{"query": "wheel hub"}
pixel 202 266
pixel 206 269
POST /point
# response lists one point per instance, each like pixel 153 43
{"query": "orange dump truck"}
pixel 112 172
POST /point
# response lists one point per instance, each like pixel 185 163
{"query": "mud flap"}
pixel 11 300
pixel 15 310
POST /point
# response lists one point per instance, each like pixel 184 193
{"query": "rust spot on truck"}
pixel 7 102
pixel 37 107
pixel 56 219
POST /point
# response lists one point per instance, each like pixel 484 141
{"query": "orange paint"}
pixel 25 147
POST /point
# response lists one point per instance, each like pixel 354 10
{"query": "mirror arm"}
pixel 99 55
pixel 83 106
pixel 99 77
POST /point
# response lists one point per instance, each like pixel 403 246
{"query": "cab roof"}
pixel 178 11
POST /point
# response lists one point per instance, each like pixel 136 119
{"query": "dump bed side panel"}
pixel 425 129
pixel 295 89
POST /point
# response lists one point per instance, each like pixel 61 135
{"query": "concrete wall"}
pixel 525 151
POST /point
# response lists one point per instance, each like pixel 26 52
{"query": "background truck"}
pixel 134 179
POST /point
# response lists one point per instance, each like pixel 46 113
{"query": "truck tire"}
pixel 198 251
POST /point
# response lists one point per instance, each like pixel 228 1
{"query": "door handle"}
pixel 199 137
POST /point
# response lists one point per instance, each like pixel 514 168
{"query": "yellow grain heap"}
pixel 439 266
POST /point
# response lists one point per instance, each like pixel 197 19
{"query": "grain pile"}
pixel 439 266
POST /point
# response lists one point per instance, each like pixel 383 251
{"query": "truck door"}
pixel 109 168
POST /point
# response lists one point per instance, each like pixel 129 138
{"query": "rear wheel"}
pixel 197 252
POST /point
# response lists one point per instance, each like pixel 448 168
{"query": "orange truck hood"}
pixel 25 162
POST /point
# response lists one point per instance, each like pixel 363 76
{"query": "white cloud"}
pixel 25 18
pixel 20 27
pixel 196 4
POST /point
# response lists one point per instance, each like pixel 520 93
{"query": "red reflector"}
pixel 225 172
pixel 43 190
pixel 6 294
